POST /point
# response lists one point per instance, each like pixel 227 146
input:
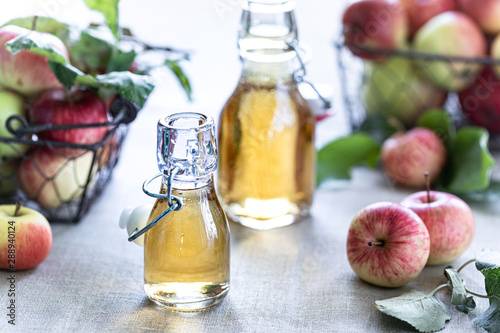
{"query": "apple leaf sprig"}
pixel 467 172
pixel 427 313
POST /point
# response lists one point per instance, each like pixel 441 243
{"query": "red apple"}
pixel 421 11
pixel 450 34
pixel 26 72
pixel 374 24
pixel 481 101
pixel 485 12
pixel 406 157
pixel 79 106
pixel 25 238
pixel 387 244
pixel 54 177
pixel 449 221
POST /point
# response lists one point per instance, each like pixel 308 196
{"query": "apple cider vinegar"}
pixel 187 240
pixel 186 255
pixel 266 170
pixel 266 173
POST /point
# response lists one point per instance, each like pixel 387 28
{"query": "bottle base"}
pixel 186 297
pixel 263 223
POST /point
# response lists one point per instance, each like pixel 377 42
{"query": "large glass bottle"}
pixel 186 254
pixel 266 173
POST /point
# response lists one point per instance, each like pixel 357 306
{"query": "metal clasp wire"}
pixel 299 74
pixel 174 203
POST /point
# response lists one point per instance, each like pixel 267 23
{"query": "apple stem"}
pixel 428 185
pixel 434 292
pixel 33 25
pixel 19 204
pixel 465 264
pixel 376 243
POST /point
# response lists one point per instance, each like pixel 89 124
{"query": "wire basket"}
pixel 61 180
pixel 355 75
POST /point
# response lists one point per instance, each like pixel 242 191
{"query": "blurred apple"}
pixel 25 238
pixel 481 101
pixel 450 34
pixel 374 24
pixel 11 104
pixel 449 221
pixel 486 13
pixel 26 72
pixel 394 88
pixel 8 171
pixel 406 157
pixel 421 11
pixel 53 177
pixel 78 106
pixel 387 244
pixel 495 53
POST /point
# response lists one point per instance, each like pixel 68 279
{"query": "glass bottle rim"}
pixel 269 6
pixel 187 121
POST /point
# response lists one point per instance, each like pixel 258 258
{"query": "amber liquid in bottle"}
pixel 186 255
pixel 266 154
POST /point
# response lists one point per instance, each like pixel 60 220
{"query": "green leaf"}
pixel 490 319
pixel 35 42
pixel 458 294
pixel 178 72
pixel 110 10
pixel 488 263
pixel 378 126
pixel 66 74
pixel 469 305
pixel 487 259
pixel 92 50
pixel 424 312
pixel 441 123
pixel 336 159
pixel 470 161
pixel 121 60
pixel 133 87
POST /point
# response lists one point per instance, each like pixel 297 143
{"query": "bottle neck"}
pixel 187 184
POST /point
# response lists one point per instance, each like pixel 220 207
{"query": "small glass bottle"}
pixel 266 175
pixel 186 254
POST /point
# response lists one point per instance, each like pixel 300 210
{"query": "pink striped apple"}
pixel 387 244
pixel 25 237
pixel 406 157
pixel 449 221
pixel 26 72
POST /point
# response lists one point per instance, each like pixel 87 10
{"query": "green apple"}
pixel 8 175
pixel 450 34
pixel 394 88
pixel 11 104
pixel 25 237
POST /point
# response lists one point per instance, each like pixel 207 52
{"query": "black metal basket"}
pixel 84 169
pixel 351 71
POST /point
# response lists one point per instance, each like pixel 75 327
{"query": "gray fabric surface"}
pixel 293 279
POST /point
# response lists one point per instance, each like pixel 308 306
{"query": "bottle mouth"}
pixel 269 6
pixel 187 121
